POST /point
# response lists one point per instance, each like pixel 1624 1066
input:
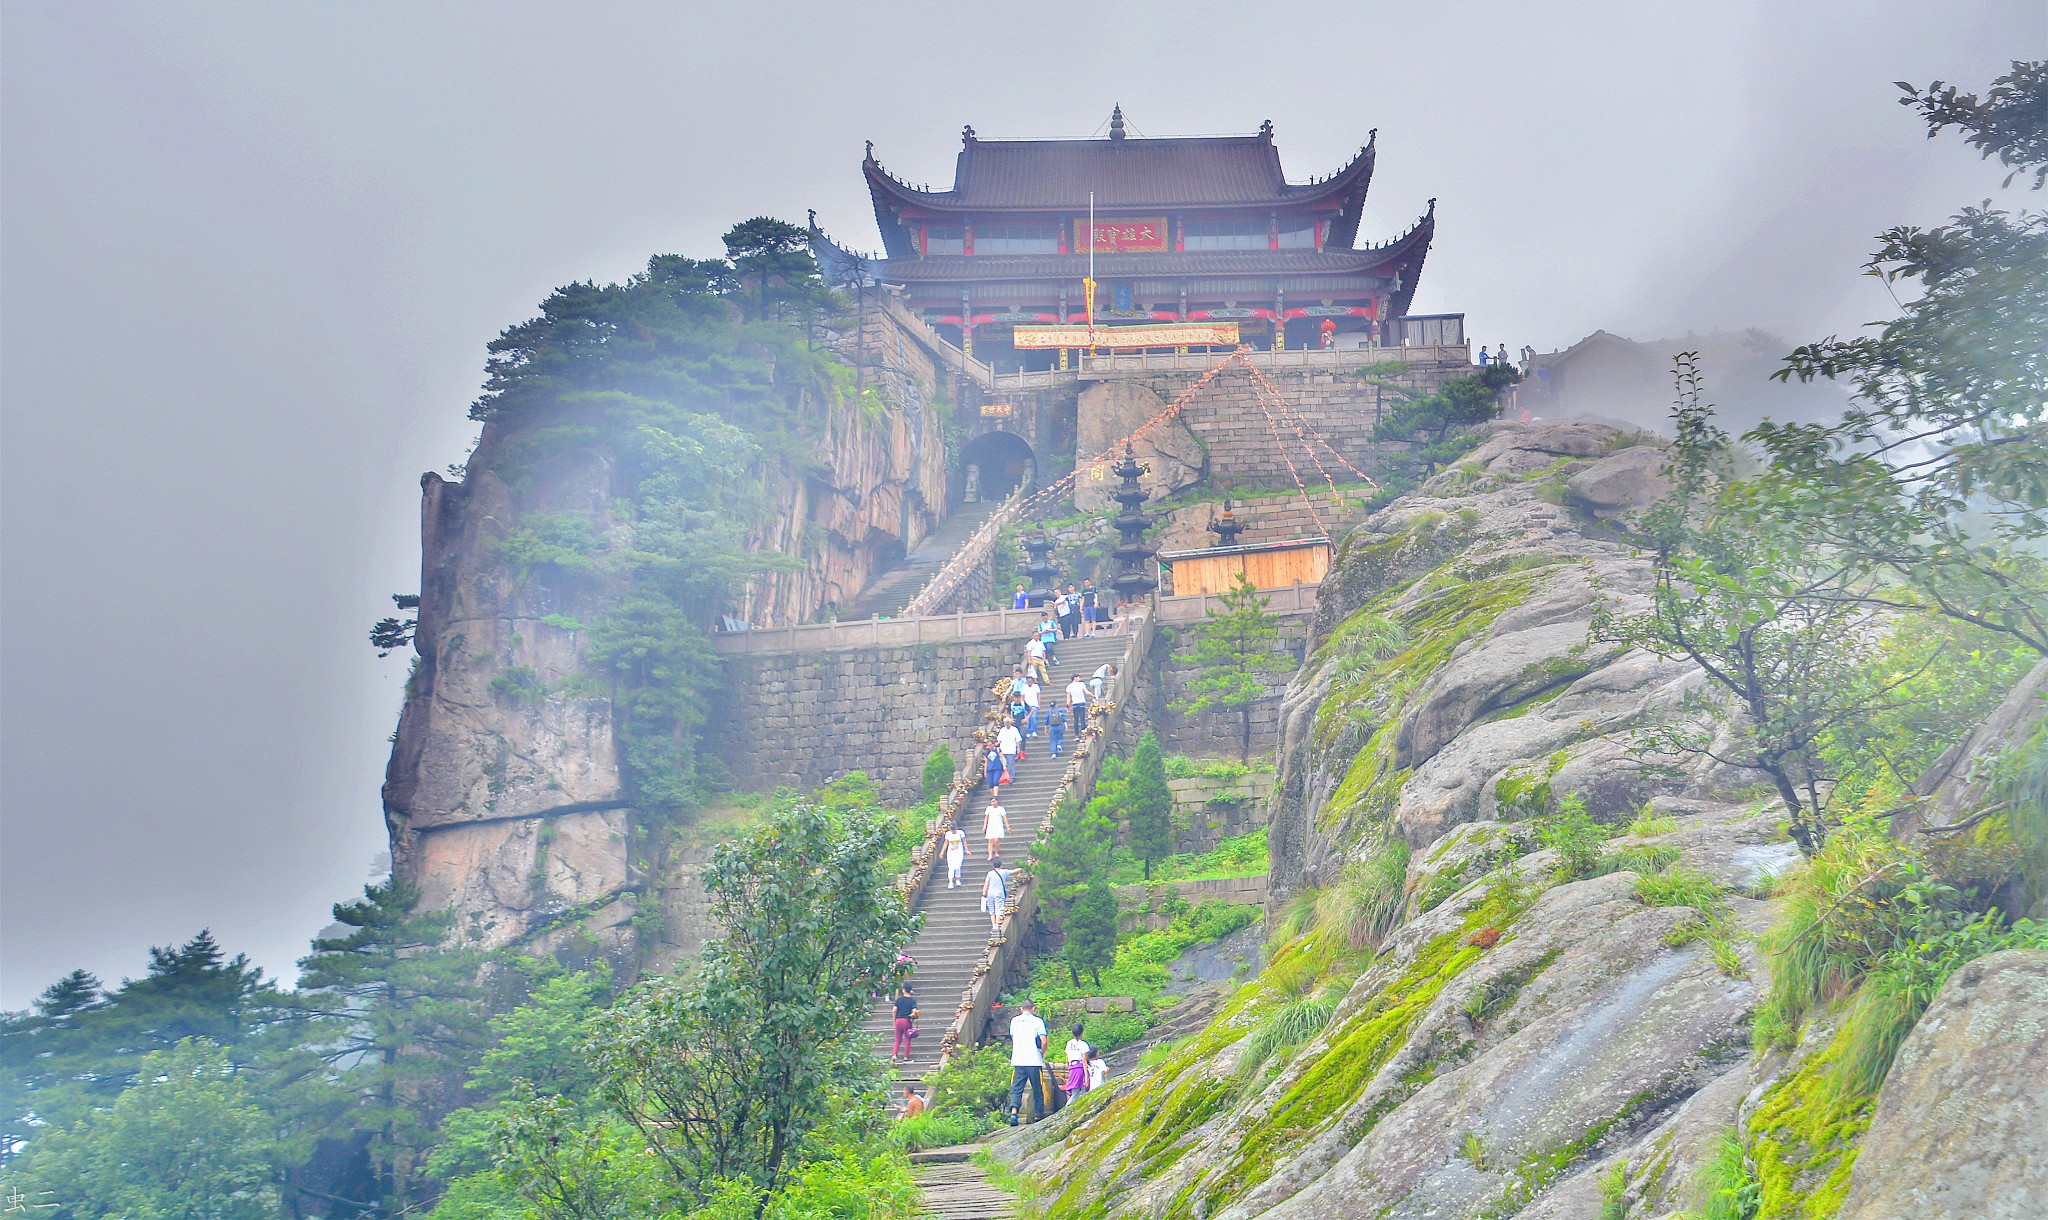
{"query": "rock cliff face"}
pixel 507 807
pixel 1520 1045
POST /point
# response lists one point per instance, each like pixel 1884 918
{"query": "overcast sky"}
pixel 252 254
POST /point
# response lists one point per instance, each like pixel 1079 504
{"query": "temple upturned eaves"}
pixel 1204 229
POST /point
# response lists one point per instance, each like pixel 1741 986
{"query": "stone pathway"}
pixel 956 932
pixel 892 590
pixel 955 1188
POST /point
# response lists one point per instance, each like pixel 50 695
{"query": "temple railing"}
pixel 1112 364
pixel 1094 366
pixel 971 626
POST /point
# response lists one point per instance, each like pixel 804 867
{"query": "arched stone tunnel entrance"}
pixel 995 464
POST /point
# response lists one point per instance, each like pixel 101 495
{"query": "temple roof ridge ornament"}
pixel 1116 122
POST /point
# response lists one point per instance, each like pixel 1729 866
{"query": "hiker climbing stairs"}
pixel 956 931
pixel 890 591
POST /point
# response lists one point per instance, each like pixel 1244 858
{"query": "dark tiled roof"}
pixel 1208 171
pixel 984 267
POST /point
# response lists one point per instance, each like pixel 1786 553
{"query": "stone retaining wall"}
pixel 802 719
pixel 1208 810
pixel 1339 405
pixel 1166 676
pixel 1138 905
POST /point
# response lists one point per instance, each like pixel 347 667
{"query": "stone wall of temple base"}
pixel 799 720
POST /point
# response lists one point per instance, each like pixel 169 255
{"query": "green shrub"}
pixel 939 771
pixel 940 1128
pixel 1576 838
pixel 1284 1029
pixel 1728 1185
pixel 1367 902
pixel 1638 858
pixel 1681 887
pixel 1650 823
pixel 519 684
pixel 974 1081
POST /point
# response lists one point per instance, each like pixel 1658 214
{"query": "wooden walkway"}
pixel 955 1188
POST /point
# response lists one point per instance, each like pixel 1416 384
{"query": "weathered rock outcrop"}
pixel 1513 1032
pixel 1111 410
pixel 503 796
pixel 1961 1128
pixel 1452 653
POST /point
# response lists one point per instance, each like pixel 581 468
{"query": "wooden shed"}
pixel 1269 565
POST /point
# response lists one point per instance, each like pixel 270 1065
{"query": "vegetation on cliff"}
pixel 1859 597
pixel 702 386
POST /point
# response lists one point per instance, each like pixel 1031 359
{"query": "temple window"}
pixel 1297 234
pixel 1016 239
pixel 1226 235
pixel 945 239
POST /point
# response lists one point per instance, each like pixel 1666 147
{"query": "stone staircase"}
pixel 956 931
pixel 889 592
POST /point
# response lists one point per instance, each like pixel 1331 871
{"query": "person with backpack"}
pixel 1056 728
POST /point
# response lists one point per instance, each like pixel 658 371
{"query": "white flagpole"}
pixel 1091 270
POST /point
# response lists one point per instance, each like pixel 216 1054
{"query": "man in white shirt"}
pixel 1027 1061
pixel 1010 742
pixel 1100 679
pixel 1077 703
pixel 1034 656
pixel 1031 705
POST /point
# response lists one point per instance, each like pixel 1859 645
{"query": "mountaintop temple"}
pixel 1198 243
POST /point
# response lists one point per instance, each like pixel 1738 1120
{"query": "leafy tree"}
pixel 1091 931
pixel 538 1052
pixel 1778 624
pixel 1938 471
pixel 939 771
pixel 683 378
pixel 1233 654
pixel 186 1140
pixel 726 1072
pixel 1435 425
pixel 1148 804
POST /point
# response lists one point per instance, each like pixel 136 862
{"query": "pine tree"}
pixel 1234 653
pixel 1437 427
pixel 1148 804
pixel 1091 931
pixel 398 1013
pixel 1072 854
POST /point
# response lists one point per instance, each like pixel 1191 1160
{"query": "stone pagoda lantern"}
pixel 1134 576
pixel 1039 568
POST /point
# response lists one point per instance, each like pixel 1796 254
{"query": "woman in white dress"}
pixel 956 855
pixel 995 824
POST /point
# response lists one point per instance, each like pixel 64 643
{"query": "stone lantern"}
pixel 1134 576
pixel 1040 568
